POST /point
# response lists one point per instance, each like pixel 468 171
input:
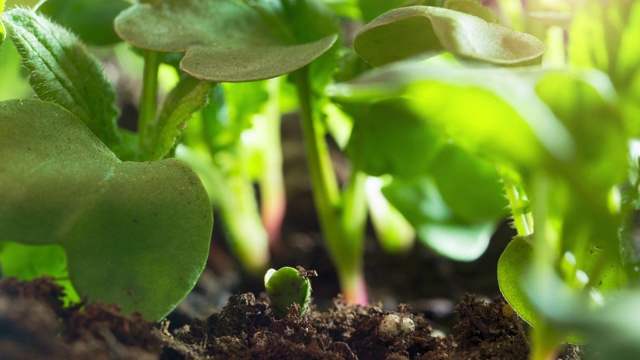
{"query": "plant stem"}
pixel 341 219
pixel 148 99
pixel 271 182
pixel 522 219
pixel 235 199
pixel 514 12
pixel 544 346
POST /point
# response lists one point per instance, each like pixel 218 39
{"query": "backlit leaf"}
pixel 434 30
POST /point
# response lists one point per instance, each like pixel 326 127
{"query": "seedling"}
pixel 288 286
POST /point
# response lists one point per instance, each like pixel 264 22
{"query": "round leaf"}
pixel 285 287
pixel 512 266
pixel 135 234
pixel 224 40
pixel 405 32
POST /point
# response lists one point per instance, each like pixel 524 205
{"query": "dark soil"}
pixel 35 325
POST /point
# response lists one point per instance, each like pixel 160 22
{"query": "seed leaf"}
pixel 287 286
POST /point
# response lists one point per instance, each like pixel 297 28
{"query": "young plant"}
pixel 288 286
pixel 108 226
pixel 558 138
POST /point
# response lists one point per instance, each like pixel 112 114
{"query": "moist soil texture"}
pixel 34 324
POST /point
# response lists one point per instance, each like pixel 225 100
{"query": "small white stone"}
pixel 394 325
pixel 407 325
pixel 390 325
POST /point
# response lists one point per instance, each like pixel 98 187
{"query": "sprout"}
pixel 287 286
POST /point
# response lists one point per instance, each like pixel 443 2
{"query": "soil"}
pixel 35 325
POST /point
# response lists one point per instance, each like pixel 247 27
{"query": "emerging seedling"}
pixel 287 286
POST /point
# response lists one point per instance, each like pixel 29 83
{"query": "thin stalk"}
pixel 544 346
pixel 353 220
pixel 514 13
pixel 148 99
pixel 248 238
pixel 343 238
pixel 522 219
pixel 545 341
pixel 235 199
pixel 272 193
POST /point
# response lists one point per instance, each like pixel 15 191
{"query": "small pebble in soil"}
pixel 394 325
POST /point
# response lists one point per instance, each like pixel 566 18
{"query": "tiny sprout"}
pixel 287 286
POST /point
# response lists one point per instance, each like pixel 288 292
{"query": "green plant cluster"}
pixel 453 116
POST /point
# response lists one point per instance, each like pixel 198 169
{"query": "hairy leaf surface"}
pixel 135 234
pixel 64 72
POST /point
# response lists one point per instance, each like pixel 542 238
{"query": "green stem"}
pixel 544 346
pixel 273 198
pixel 522 219
pixel 514 12
pixel 342 230
pixel 235 199
pixel 148 99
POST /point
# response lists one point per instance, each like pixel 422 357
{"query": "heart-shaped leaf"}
pixel 224 40
pixel 135 234
pixel 405 32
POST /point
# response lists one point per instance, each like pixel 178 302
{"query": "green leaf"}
pixel 471 7
pixel 27 262
pixel 469 185
pixel 615 329
pixel 64 72
pixel 224 40
pixel 135 234
pixel 489 112
pixel 456 241
pixel 187 97
pixel 436 224
pixel 2 31
pixel 287 286
pixel 413 30
pixel 371 9
pixel 539 295
pixel 389 138
pixel 393 231
pixel 91 20
pixel 13 83
pixel 512 265
pixel 585 103
pixel 610 46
